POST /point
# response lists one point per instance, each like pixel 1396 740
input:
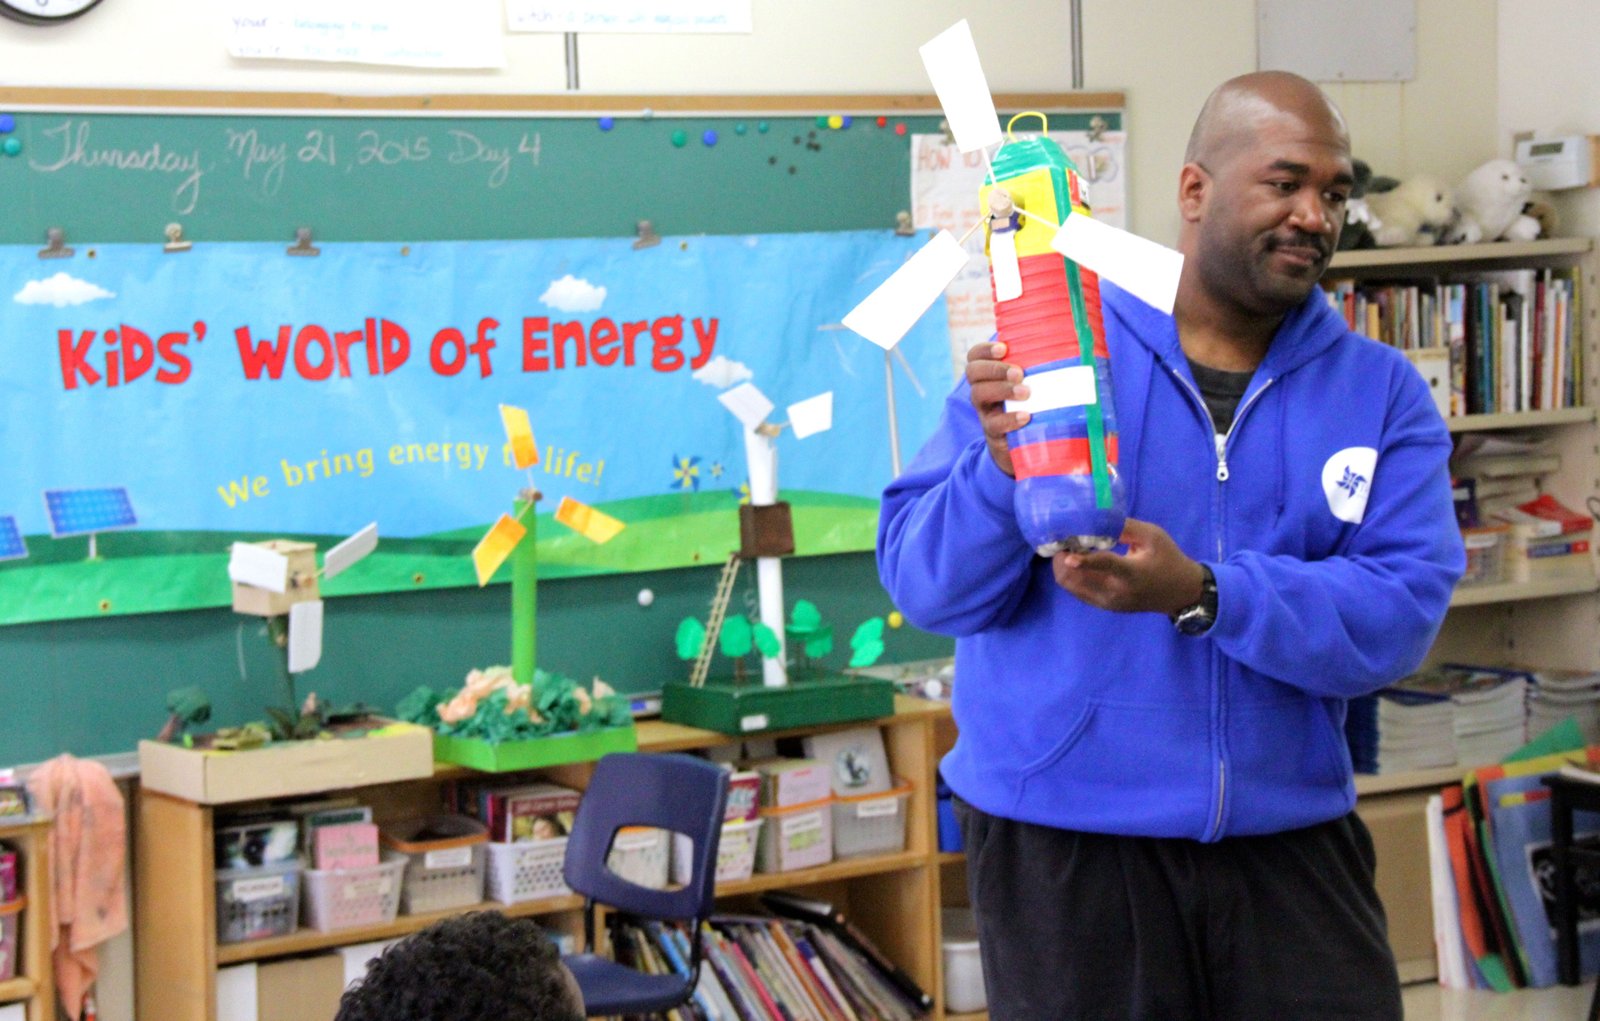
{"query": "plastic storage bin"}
pixel 258 903
pixel 798 837
pixel 10 928
pixel 641 855
pixel 870 823
pixel 341 898
pixel 963 968
pixel 1486 555
pixel 736 852
pixel 527 870
pixel 444 862
pixel 8 874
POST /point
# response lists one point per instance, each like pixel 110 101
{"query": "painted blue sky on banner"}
pixel 236 388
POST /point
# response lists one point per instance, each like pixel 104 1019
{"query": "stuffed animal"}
pixel 1543 210
pixel 1491 200
pixel 1413 213
pixel 1359 223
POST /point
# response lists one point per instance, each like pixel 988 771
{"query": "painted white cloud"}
pixel 722 372
pixel 570 294
pixel 60 290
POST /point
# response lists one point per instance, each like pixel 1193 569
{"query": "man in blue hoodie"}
pixel 1157 799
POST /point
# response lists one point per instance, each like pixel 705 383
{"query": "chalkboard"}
pixel 119 167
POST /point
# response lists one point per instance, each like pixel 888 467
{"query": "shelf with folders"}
pixel 1501 331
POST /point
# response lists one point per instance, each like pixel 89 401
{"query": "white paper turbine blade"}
pixel 348 553
pixel 812 415
pixel 249 564
pixel 749 405
pixel 951 58
pixel 888 313
pixel 305 636
pixel 1143 268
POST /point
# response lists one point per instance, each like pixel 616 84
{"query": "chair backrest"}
pixel 668 791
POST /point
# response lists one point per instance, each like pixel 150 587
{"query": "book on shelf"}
pixel 825 914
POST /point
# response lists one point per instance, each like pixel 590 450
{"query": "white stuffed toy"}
pixel 1413 213
pixel 1491 199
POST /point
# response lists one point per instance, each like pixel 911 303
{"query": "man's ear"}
pixel 1194 186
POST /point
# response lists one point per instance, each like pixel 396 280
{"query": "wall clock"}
pixel 44 12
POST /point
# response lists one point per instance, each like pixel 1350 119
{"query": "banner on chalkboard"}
pixel 236 392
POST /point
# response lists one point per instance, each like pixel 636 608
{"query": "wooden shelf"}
pixel 1497 251
pixel 16 989
pixel 848 868
pixel 981 1015
pixel 1520 420
pixel 1512 591
pixel 1416 779
pixel 302 940
pixel 950 857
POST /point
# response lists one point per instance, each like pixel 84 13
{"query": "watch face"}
pixel 44 12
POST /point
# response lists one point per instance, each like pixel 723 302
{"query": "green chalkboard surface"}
pixel 230 167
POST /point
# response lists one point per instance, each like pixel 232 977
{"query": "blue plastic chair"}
pixel 672 792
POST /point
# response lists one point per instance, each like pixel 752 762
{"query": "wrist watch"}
pixel 1197 619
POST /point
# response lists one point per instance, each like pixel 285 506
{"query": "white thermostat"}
pixel 1572 161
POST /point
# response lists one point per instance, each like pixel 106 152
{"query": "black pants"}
pixel 1085 926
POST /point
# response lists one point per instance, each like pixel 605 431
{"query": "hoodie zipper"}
pixel 1221 442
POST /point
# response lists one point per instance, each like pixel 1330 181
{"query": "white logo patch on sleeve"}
pixel 1346 481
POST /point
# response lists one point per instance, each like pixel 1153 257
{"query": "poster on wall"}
pixel 160 406
pixel 944 196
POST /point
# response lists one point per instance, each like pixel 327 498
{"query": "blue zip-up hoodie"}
pixel 1325 516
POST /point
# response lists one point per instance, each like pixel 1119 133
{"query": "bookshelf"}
pixel 1548 622
pixel 32 986
pixel 894 898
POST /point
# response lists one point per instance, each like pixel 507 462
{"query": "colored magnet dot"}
pixel 822 121
pixel 646 597
pixel 12 146
pixel 607 123
pixel 896 618
pixel 900 128
pixel 8 123
pixel 679 139
pixel 846 121
pixel 709 138
pixel 883 122
pixel 836 122
pixel 647 113
pixel 762 127
pixel 739 128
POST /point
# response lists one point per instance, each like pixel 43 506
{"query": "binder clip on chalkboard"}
pixel 302 243
pixel 1097 127
pixel 55 245
pixel 647 237
pixel 903 225
pixel 175 241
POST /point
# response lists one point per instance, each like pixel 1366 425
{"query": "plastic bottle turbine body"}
pixel 1047 313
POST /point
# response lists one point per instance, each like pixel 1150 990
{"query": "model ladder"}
pixel 719 611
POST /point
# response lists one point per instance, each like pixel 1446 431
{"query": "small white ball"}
pixel 646 597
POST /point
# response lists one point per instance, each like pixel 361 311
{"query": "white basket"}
pixel 527 870
pixel 736 852
pixel 870 823
pixel 342 898
pixel 443 873
pixel 641 856
pixel 796 838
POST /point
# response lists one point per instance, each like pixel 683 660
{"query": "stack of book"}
pixel 1445 716
pixel 1555 695
pixel 1491 714
pixel 808 965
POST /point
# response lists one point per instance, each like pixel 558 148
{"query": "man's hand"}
pixel 993 383
pixel 1153 576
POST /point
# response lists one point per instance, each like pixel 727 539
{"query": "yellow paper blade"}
pixel 519 433
pixel 496 544
pixel 595 525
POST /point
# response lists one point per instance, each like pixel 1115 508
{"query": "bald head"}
pixel 1239 108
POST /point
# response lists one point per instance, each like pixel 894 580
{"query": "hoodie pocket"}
pixel 1289 764
pixel 1124 768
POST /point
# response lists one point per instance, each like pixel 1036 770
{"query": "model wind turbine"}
pixel 513 536
pixel 278 580
pixel 1046 255
pixel 771 531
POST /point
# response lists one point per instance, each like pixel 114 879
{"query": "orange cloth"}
pixel 88 874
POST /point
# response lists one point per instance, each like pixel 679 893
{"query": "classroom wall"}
pixel 1549 86
pixel 1167 55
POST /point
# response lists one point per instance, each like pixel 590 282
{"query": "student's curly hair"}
pixel 466 968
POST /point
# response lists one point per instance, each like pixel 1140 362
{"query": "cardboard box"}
pixel 395 751
pixel 300 988
pixel 555 750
